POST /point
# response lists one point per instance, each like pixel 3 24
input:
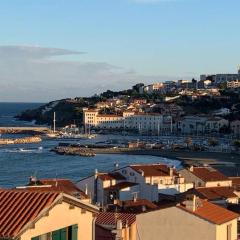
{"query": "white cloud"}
pixel 30 73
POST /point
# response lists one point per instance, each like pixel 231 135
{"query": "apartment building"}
pixel 233 84
pixel 201 124
pixel 129 120
pixel 205 177
pixel 191 219
pixel 37 215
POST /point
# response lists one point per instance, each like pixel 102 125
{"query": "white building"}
pixel 233 84
pixel 142 122
pixel 166 179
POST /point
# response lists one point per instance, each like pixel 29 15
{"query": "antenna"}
pixel 54 122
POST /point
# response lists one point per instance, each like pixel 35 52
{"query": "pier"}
pixel 23 130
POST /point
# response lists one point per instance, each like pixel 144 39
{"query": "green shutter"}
pixel 35 238
pixel 56 235
pixel 75 232
pixel 63 233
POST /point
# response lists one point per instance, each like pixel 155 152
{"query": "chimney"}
pixel 33 180
pixel 96 173
pixel 191 168
pixel 142 172
pixel 171 171
pixel 191 202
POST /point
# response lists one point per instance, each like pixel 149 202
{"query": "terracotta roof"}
pixel 211 212
pixel 213 193
pixel 17 208
pixel 111 176
pixel 153 170
pixel 137 206
pixel 56 185
pixel 110 218
pixel 121 185
pixel 208 174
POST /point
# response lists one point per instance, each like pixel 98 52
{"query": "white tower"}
pixel 239 69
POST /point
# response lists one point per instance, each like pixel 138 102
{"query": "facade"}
pixel 166 179
pixel 199 125
pixel 192 219
pixel 142 122
pixel 235 128
pixel 35 215
pixel 205 177
pixel 192 125
pixel 233 84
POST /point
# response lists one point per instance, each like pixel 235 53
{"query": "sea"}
pixel 19 162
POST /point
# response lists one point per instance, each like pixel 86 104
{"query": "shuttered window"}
pixel 69 233
pixel 75 232
pixel 35 238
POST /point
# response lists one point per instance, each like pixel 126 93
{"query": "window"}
pixel 68 233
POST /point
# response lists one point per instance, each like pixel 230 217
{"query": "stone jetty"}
pixel 75 151
pixel 25 140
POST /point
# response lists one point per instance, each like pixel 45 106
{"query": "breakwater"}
pixel 24 130
pixel 25 140
pixel 75 151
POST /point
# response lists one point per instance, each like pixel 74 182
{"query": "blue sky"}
pixel 85 46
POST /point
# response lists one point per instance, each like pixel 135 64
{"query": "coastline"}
pixel 186 157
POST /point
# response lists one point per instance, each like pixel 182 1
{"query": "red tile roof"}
pixel 208 174
pixel 109 218
pixel 214 193
pixel 111 176
pixel 56 185
pixel 137 206
pixel 211 212
pixel 153 170
pixel 121 185
pixel 17 208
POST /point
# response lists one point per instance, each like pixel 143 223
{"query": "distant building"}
pixel 205 177
pixel 233 84
pixel 129 120
pixel 235 128
pixel 222 77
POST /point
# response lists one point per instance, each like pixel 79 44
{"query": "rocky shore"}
pixel 26 140
pixel 187 157
pixel 75 151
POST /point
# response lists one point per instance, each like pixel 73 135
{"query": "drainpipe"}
pixel 94 227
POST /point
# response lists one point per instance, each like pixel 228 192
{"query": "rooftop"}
pixel 208 174
pixel 111 176
pixel 121 185
pixel 214 193
pixel 110 218
pixel 17 208
pixel 211 212
pixel 56 185
pixel 153 170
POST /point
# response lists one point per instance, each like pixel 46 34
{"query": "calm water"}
pixel 18 163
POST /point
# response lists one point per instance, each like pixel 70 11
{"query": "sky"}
pixel 54 49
